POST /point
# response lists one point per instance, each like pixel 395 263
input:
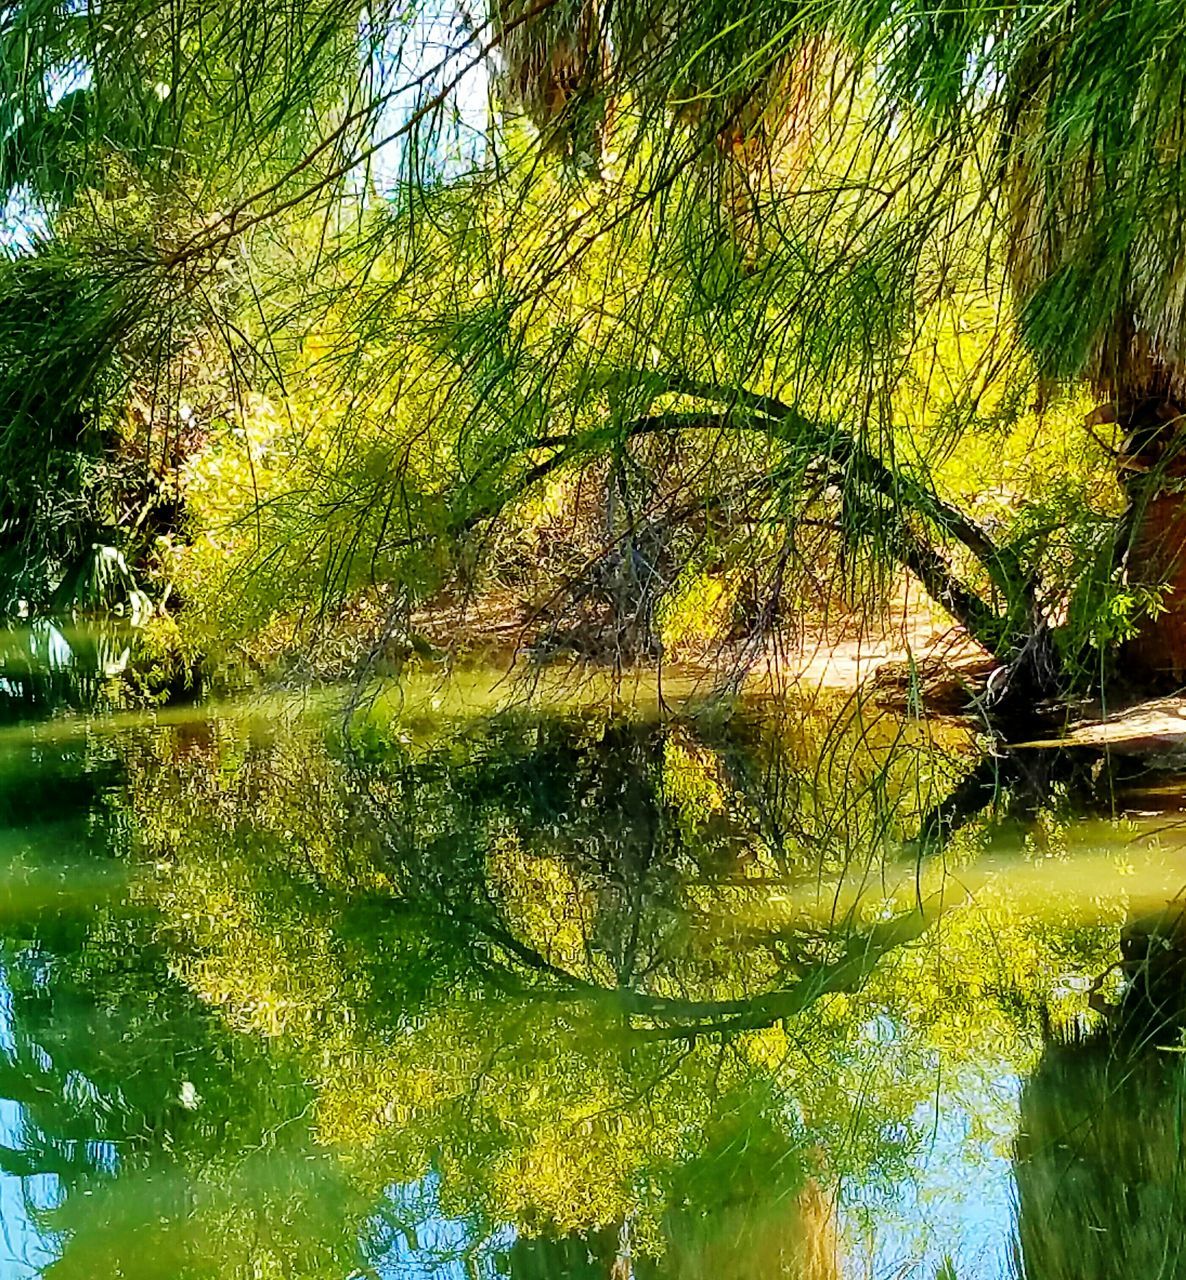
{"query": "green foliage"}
pixel 783 281
pixel 59 330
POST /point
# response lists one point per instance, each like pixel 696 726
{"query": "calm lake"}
pixel 777 990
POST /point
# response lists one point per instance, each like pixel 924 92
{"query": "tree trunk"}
pixel 1158 555
pixel 635 572
pixel 1153 550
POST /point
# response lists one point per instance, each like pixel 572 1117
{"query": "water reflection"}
pixel 1101 1162
pixel 551 995
pixel 49 664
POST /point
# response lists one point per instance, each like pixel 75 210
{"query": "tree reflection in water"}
pixel 1101 1162
pixel 547 996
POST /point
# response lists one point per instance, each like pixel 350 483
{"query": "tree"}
pixel 703 259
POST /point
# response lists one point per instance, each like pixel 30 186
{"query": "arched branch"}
pixel 846 463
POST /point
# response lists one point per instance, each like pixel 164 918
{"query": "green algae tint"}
pixel 767 990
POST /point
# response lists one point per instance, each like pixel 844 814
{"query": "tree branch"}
pixel 847 460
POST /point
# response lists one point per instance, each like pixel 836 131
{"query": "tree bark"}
pixel 1152 546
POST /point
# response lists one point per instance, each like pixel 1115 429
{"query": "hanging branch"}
pixel 1011 634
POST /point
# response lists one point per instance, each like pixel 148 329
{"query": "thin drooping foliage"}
pixel 678 306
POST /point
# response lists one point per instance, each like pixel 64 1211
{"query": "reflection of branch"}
pixel 533 959
pixel 967 801
pixel 687 1019
pixel 680 1019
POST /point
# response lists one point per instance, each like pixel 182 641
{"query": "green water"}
pixel 550 994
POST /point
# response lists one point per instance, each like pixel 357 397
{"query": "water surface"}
pixel 794 990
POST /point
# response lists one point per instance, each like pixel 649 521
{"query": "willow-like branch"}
pixel 846 464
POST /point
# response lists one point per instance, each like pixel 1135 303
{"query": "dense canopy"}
pixel 678 323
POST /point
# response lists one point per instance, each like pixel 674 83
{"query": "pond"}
pixel 802 989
